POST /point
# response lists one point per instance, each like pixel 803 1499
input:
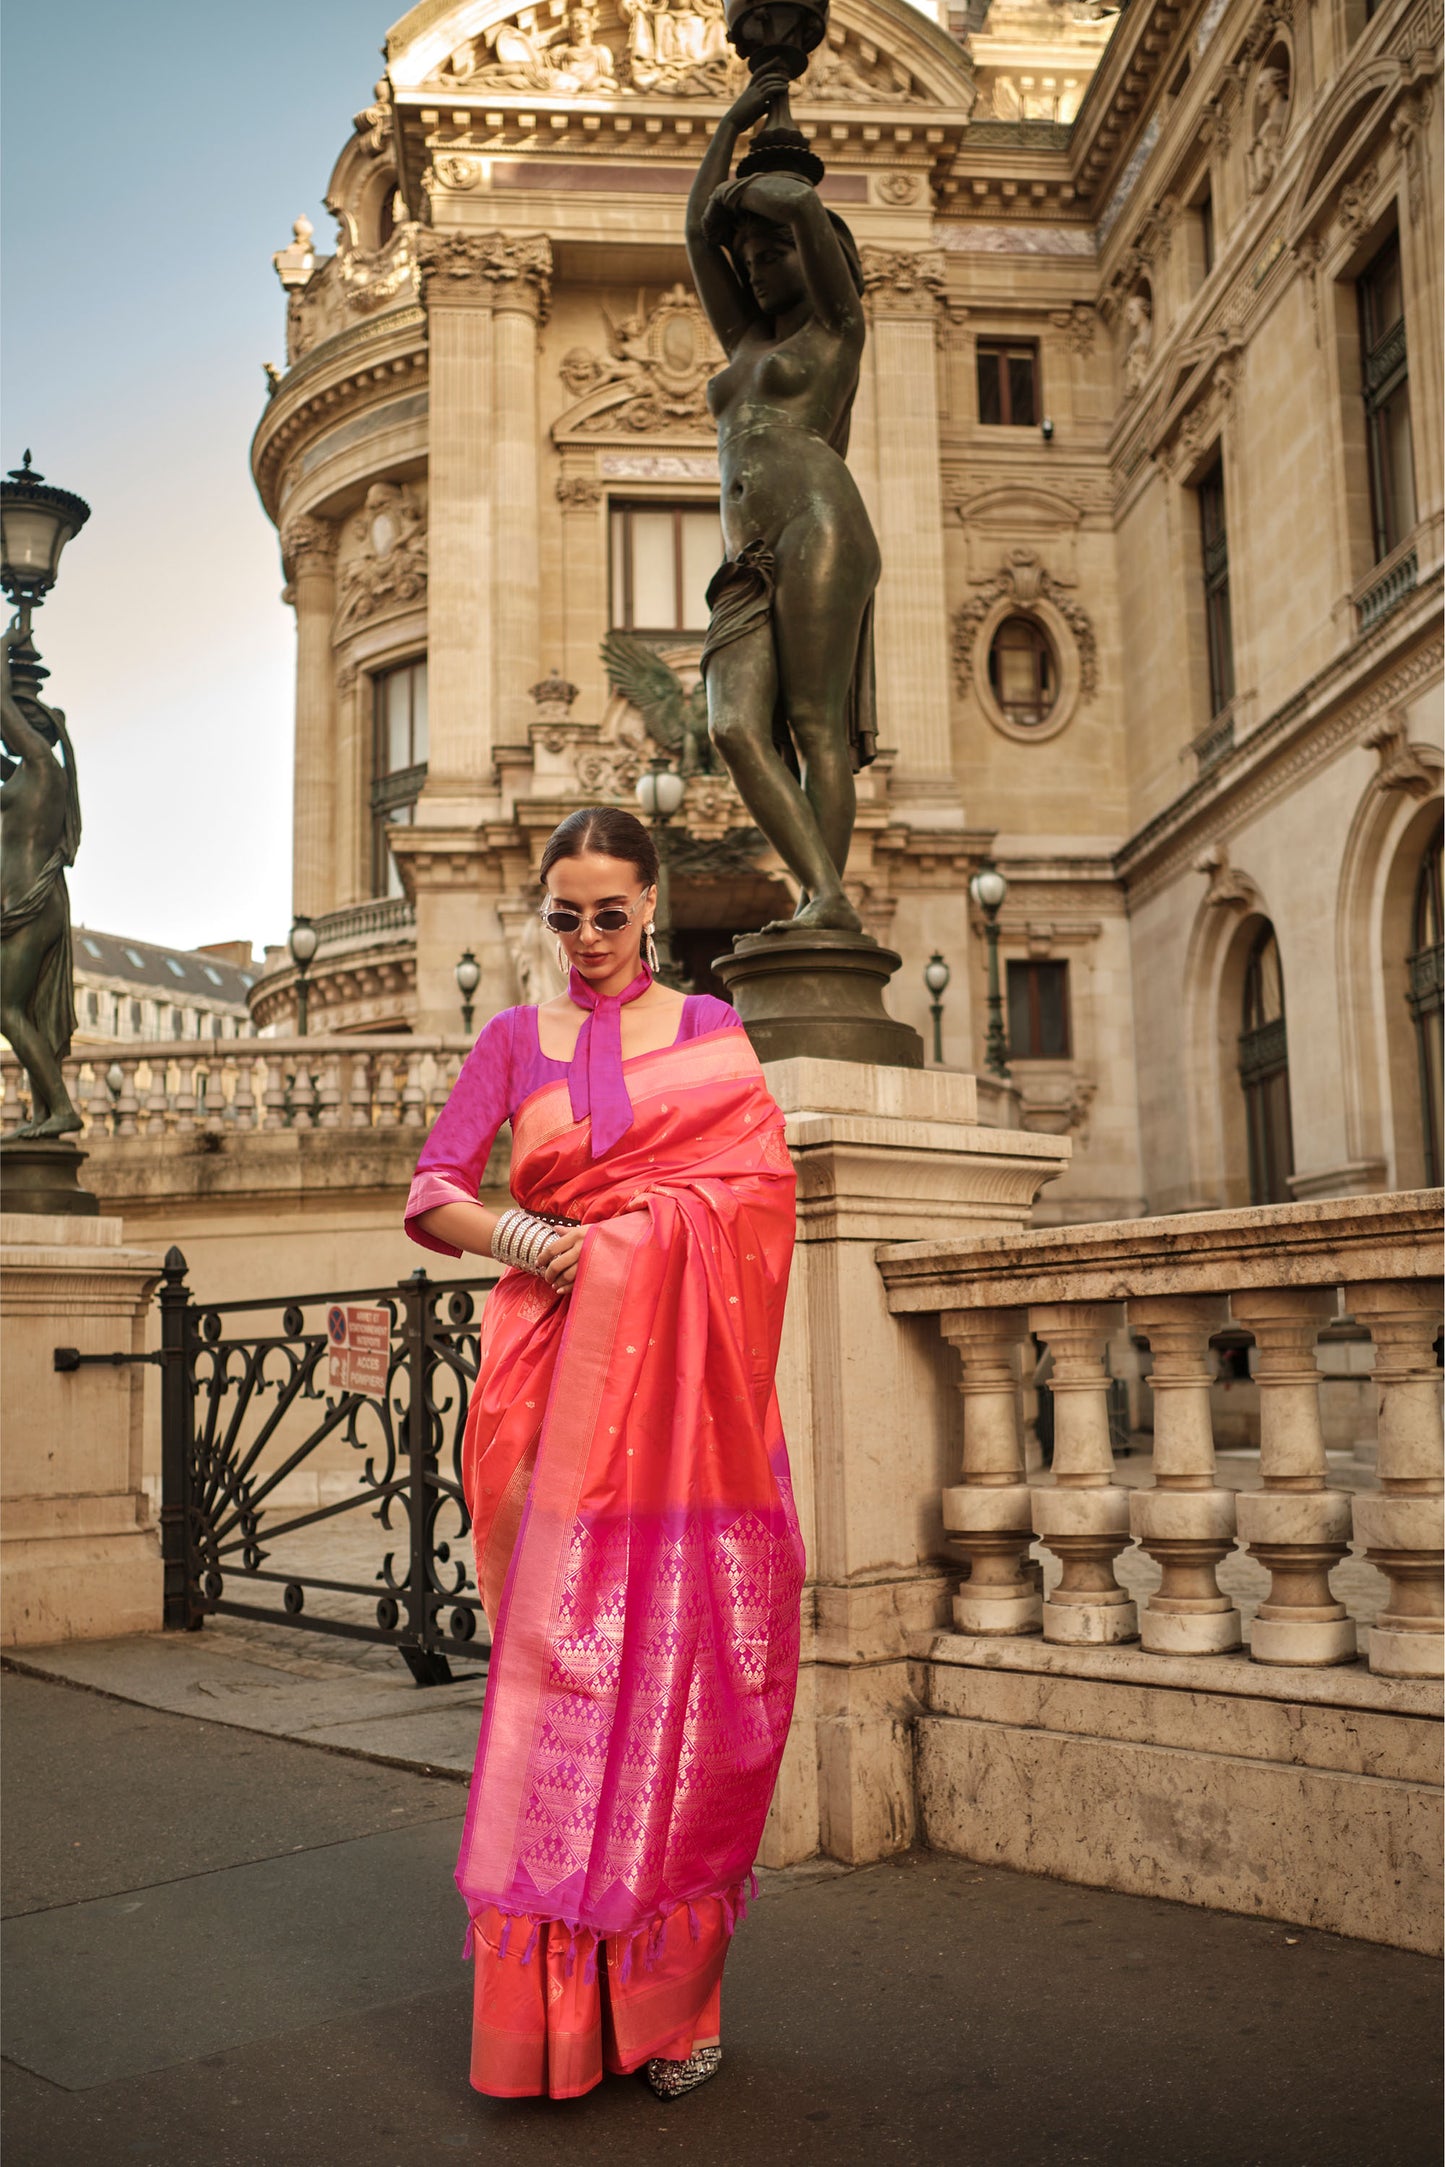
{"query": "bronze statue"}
pixel 788 659
pixel 39 837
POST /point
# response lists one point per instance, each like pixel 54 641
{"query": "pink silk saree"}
pixel 639 1558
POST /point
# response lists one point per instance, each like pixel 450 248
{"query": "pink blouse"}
pixel 506 1066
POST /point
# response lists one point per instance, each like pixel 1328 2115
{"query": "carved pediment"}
pixel 619 49
pixel 647 376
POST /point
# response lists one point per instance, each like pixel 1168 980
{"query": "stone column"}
pixel 1083 1518
pixel 989 1515
pixel 352 871
pixel 584 587
pixel 911 622
pixel 483 294
pixel 1403 1528
pixel 79 1553
pixel 1296 1526
pixel 1184 1521
pixel 308 552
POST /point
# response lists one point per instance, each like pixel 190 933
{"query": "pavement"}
pixel 225 1948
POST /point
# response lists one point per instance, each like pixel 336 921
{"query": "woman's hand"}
pixel 562 1256
pixel 751 104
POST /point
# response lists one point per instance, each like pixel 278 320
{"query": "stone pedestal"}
pixel 79 1557
pixel 869 1405
pixel 818 996
pixel 44 1177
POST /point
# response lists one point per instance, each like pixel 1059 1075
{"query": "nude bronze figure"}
pixel 39 837
pixel 788 660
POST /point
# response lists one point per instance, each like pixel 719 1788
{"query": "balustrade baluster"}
pixel 99 1104
pixel 127 1104
pixel 1185 1520
pixel 359 1096
pixel 330 1093
pixel 155 1104
pixel 243 1097
pixel 183 1098
pixel 303 1097
pixel 413 1098
pixel 988 1516
pixel 1296 1526
pixel 1083 1517
pixel 1403 1526
pixel 386 1092
pixel 274 1094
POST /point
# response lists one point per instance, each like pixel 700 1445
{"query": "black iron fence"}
pixel 251 1403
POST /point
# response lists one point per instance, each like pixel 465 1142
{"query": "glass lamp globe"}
pixel 303 942
pixel 660 792
pixel 468 974
pixel 37 523
pixel 936 975
pixel 988 888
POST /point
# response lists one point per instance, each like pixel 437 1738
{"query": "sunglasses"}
pixel 612 918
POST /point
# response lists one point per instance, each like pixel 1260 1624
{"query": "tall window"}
pixel 1214 538
pixel 1038 1011
pixel 1426 974
pixel 399 754
pixel 1205 209
pixel 663 556
pixel 1264 1075
pixel 1008 383
pixel 1387 400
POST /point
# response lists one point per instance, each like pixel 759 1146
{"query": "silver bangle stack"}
pixel 521 1238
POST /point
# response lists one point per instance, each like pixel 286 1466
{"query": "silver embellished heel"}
pixel 671 2079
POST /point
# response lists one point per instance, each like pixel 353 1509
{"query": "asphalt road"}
pixel 227 1950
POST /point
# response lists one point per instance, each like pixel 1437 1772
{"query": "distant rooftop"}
pixel 182 973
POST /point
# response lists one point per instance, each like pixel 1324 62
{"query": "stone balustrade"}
pixel 177 1086
pixel 1280 1273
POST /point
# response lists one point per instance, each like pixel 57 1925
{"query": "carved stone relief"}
pixel 384 566
pixel 1270 109
pixel 497 268
pixel 1229 888
pixel 903 281
pixel 650 375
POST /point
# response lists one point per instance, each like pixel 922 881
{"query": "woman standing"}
pixel 637 1546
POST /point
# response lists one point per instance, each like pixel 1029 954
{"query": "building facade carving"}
pixel 650 374
pixel 384 562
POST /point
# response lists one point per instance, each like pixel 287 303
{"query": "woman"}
pixel 637 1547
pixel 788 658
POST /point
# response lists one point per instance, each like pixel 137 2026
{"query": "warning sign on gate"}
pixel 360 1337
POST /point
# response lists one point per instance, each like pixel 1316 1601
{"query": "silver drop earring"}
pixel 562 964
pixel 651 952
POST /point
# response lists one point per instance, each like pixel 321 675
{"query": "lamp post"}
pixel 469 977
pixel 37 523
pixel 936 975
pixel 988 889
pixel 660 791
pixel 303 942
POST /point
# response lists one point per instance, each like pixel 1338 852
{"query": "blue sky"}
pixel 154 156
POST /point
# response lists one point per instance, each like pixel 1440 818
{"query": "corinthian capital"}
pixel 307 544
pixel 903 281
pixel 493 270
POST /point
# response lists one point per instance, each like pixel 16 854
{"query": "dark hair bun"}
pixel 608 830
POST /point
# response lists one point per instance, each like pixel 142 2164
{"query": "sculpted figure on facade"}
pixel 387 562
pixel 567 60
pixel 659 360
pixel 678 48
pixel 1139 326
pixel 788 659
pixel 1271 118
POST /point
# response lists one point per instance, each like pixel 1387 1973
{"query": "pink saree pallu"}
pixel 639 1557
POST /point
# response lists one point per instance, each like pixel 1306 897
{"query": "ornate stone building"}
pixel 1150 431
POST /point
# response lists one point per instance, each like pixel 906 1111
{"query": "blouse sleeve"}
pixel 454 1156
pixel 711 1014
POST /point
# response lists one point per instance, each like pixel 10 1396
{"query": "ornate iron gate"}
pixel 245 1404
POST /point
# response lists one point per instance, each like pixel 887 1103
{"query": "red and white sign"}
pixel 360 1337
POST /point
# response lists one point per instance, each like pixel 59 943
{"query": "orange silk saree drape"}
pixel 639 1559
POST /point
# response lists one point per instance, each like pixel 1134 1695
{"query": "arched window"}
pixel 1424 965
pixel 1022 671
pixel 1264 1074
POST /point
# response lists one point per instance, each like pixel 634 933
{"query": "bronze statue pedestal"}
pixel 44 1175
pixel 818 995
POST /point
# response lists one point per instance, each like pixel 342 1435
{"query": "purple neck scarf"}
pixel 594 1075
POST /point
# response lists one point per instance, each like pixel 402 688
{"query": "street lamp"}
pixel 37 522
pixel 936 975
pixel 303 941
pixel 660 791
pixel 469 977
pixel 988 889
